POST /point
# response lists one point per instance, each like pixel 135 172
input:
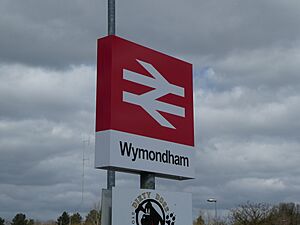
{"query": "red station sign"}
pixel 144 110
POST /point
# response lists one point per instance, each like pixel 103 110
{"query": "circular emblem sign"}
pixel 151 211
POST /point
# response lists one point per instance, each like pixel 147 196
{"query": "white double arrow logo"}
pixel 148 101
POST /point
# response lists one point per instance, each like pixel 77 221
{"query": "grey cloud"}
pixel 272 67
pixel 50 185
pixel 50 33
pixel 55 95
pixel 47 202
pixel 212 28
pixel 275 119
pixel 56 34
pixel 32 146
pixel 46 118
pixel 247 127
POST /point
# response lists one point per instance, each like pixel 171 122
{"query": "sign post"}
pixel 111 176
pixel 144 125
pixel 147 180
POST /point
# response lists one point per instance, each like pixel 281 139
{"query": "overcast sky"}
pixel 246 59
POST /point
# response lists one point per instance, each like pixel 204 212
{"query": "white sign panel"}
pixel 150 207
pixel 137 153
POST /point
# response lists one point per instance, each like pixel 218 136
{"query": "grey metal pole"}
pixel 111 176
pixel 215 201
pixel 216 216
pixel 111 17
pixel 147 181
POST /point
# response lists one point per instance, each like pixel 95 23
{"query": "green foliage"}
pixel 76 218
pixel 30 222
pixel 93 217
pixel 2 221
pixel 20 219
pixel 64 219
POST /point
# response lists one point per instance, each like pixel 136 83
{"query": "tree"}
pixel 20 219
pixel 2 221
pixel 199 220
pixel 30 222
pixel 251 214
pixel 75 218
pixel 64 219
pixel 93 217
pixel 285 214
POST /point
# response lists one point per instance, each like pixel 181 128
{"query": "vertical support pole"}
pixel 147 181
pixel 106 200
pixel 111 17
pixel 216 216
pixel 111 176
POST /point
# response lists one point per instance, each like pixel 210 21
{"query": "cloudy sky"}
pixel 246 58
